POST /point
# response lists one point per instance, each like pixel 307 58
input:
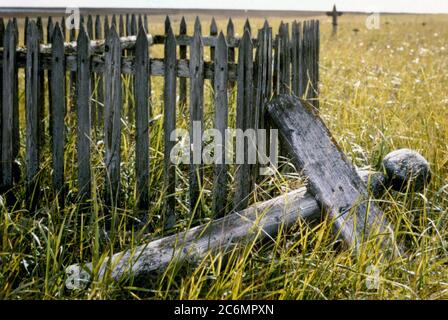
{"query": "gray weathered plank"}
pixel 72 75
pixel 99 94
pixel 213 33
pixel 2 33
pixel 230 35
pixel 247 26
pixel 112 116
pixel 41 91
pixel 113 21
pixel 183 55
pixel 84 114
pixel 244 121
pixel 58 107
pixel 133 25
pixel 141 90
pixel 63 27
pixel 284 59
pixel 106 26
pixel 90 27
pixel 332 179
pixel 221 123
pixel 128 25
pixel 296 62
pixel 277 214
pixel 9 97
pixel 196 117
pixel 169 124
pixel 50 29
pixel 32 110
pixel 121 26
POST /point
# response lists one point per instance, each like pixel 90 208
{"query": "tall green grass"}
pixel 380 90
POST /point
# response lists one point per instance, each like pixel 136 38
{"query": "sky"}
pixel 416 6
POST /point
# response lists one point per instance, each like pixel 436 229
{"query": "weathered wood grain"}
pixel 220 184
pixel 32 110
pixel 213 33
pixel 58 107
pixel 112 116
pixel 9 97
pixel 83 109
pixel 121 26
pixel 244 121
pixel 141 90
pixel 196 118
pixel 99 105
pixel 183 55
pixel 2 33
pixel 260 222
pixel 332 179
pixel 229 35
pixel 169 124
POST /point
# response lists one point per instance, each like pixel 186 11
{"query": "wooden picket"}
pixel 267 64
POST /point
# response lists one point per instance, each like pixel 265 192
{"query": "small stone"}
pixel 405 166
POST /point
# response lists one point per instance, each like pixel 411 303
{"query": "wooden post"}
pixel 2 33
pixel 121 26
pixel 112 116
pixel 84 114
pixel 230 36
pixel 196 117
pixel 221 123
pixel 58 107
pixel 285 59
pixel 8 105
pixel 72 38
pixel 183 56
pixel 169 123
pixel 331 177
pixel 213 33
pixel 99 106
pixel 141 90
pixel 244 121
pixel 32 109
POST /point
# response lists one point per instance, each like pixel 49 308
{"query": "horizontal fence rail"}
pixel 85 71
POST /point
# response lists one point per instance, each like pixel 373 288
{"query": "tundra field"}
pixel 380 90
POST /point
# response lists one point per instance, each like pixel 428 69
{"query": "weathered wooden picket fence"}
pixel 88 73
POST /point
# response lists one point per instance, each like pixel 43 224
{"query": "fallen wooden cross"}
pixel 260 220
pixel 332 178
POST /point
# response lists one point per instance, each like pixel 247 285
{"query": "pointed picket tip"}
pixel 222 39
pixel 140 21
pixel 197 27
pixel 112 33
pixel 141 35
pixel 213 27
pixel 167 24
pixel 247 25
pixel 82 34
pixel 183 26
pixel 10 26
pixel 246 34
pixel 266 24
pixel 57 33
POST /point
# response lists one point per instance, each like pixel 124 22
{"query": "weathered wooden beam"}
pixel 332 179
pixel 261 220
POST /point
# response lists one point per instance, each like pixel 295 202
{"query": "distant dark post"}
pixel 334 14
